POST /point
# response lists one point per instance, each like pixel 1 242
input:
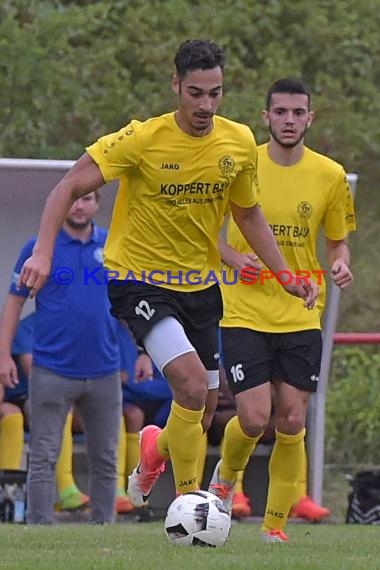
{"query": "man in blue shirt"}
pixel 14 417
pixel 75 362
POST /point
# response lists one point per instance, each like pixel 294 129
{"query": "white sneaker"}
pixel 142 479
pixel 224 490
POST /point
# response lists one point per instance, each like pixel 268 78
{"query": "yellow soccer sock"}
pixel 133 452
pixel 64 469
pixel 202 452
pixel 184 434
pixel 238 487
pixel 284 468
pixel 301 487
pixel 236 450
pixel 121 458
pixel 11 441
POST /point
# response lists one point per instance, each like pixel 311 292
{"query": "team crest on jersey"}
pixel 304 210
pixel 98 254
pixel 226 165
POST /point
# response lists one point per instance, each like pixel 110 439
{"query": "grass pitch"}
pixel 143 546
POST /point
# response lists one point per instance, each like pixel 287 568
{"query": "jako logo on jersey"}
pixel 169 166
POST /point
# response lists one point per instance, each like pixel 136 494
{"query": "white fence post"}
pixel 317 406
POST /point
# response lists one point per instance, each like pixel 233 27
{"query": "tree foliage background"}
pixel 72 70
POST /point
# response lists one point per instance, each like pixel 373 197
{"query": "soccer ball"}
pixel 198 518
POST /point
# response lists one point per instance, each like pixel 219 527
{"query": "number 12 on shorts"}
pixel 145 310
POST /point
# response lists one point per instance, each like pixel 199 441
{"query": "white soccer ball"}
pixel 197 518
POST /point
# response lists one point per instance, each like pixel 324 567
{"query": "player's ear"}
pixel 310 119
pixel 175 84
pixel 265 117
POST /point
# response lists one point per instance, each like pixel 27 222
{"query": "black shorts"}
pixel 142 306
pixel 252 358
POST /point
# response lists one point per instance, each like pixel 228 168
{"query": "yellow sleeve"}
pixel 244 191
pixel 339 219
pixel 116 152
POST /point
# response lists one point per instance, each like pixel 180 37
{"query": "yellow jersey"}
pixel 173 193
pixel 296 201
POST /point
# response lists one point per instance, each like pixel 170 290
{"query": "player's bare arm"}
pixel 83 178
pixel 258 234
pixel 338 255
pixel 238 260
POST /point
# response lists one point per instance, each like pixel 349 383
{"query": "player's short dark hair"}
pixel 198 54
pixel 288 85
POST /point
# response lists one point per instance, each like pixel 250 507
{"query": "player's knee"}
pixel 195 394
pixel 252 425
pixel 188 380
pixel 291 423
pixel 191 391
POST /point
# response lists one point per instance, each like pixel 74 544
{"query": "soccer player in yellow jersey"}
pixel 267 337
pixel 177 173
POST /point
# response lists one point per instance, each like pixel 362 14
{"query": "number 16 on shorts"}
pixel 237 373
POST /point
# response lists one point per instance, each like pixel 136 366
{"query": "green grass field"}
pixel 143 546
